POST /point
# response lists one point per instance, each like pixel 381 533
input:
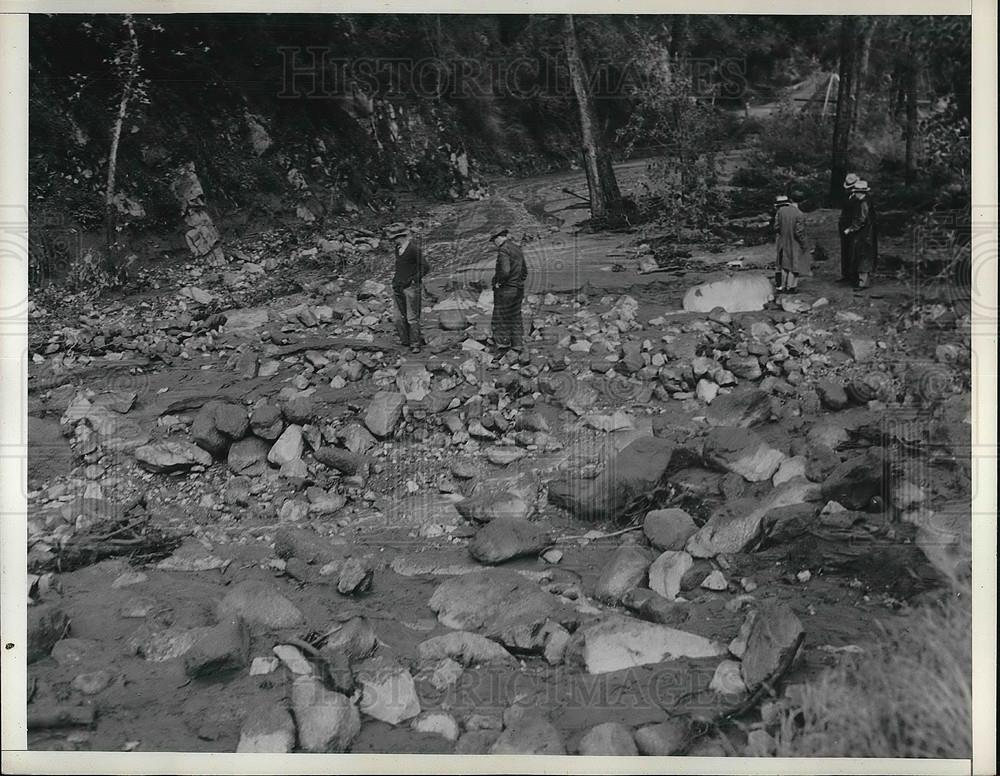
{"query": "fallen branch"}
pixel 60 716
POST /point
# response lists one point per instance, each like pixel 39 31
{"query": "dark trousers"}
pixel 407 314
pixel 847 272
pixel 508 326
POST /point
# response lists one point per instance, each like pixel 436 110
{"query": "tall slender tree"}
pixel 846 110
pixel 605 198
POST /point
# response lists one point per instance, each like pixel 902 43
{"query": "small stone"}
pixel 356 576
pixel 248 457
pixel 384 413
pixel 668 529
pixel 505 538
pixel 661 740
pixel 727 679
pixel 288 447
pixel 437 723
pixel 625 570
pixel 608 739
pixel 715 581
pixel 268 731
pixel 293 659
pixel 220 649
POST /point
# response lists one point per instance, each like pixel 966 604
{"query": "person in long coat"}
pixel 508 292
pixel 792 252
pixel 863 233
pixel 846 217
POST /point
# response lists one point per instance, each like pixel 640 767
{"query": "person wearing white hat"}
pixel 862 232
pixel 792 253
pixel 846 216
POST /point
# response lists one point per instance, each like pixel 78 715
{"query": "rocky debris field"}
pixel 254 525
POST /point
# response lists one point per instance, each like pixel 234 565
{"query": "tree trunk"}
pixel 110 212
pixel 912 79
pixel 862 75
pixel 605 198
pixel 842 123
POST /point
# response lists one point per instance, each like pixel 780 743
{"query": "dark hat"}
pixel 501 233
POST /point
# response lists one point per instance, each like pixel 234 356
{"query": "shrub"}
pixel 912 698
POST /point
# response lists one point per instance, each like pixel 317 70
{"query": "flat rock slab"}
pixel 259 603
pixel 388 691
pixel 742 452
pixel 464 647
pixel 618 643
pixel 739 294
pixel 171 456
pixel 773 635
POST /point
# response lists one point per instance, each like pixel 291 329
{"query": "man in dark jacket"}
pixel 407 285
pixel 863 234
pixel 846 217
pixel 508 292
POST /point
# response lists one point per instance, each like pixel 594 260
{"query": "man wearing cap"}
pixel 407 285
pixel 508 292
pixel 863 234
pixel 790 227
pixel 846 217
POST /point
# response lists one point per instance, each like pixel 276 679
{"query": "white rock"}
pixel 618 643
pixel 288 447
pixel 727 679
pixel 715 581
pixel 388 691
pixel 437 722
pixel 293 659
pixel 666 572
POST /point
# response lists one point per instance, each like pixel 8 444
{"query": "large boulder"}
pixel 271 731
pixel 500 604
pixel 738 294
pixel 743 452
pixel 218 424
pixel 634 472
pixel 858 479
pixel 288 448
pixel 388 692
pixel 734 525
pixel 617 643
pixel 608 739
pixel 464 647
pixel 529 734
pixel 248 457
pixel 259 604
pixel 741 409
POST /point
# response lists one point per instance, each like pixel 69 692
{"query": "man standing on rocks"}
pixel 863 234
pixel 508 292
pixel 790 225
pixel 846 217
pixel 407 287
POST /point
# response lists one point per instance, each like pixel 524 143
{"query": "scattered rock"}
pixel 667 571
pixel 832 394
pixel 388 691
pixel 775 631
pixel 326 720
pixel 92 683
pixel 529 734
pixel 617 643
pixel 653 607
pixel 737 294
pixel 859 348
pixel 355 638
pixel 632 473
pixel 790 469
pixel 857 480
pixel 505 538
pixel 715 581
pixel 271 731
pixel 171 456
pixel 464 647
pixel 740 409
pixel 741 451
pixel 343 461
pixel 47 624
pixel 288 447
pixel 437 723
pixel 356 576
pixel 248 457
pixel 219 649
pixel 267 422
pixel 259 603
pixel 626 569
pixel 661 740
pixel 476 741
pixel 608 739
pixel 384 412
pixel 492 506
pixel 668 529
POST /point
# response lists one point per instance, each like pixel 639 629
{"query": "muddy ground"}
pixel 841 374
